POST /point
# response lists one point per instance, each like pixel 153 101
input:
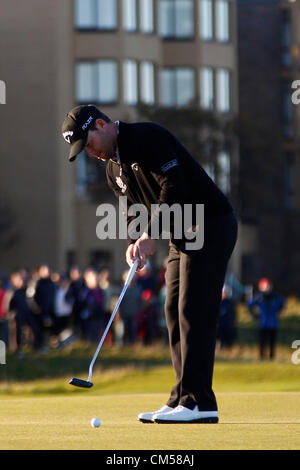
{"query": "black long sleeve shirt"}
pixel 155 168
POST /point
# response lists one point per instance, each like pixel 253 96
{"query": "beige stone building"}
pixel 57 54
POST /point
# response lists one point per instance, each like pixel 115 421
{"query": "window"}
pixel 176 18
pixel 99 259
pixel 96 14
pixel 147 83
pixel 206 19
pixel 91 178
pixel 97 82
pixel 286 38
pixel 177 86
pixel 129 15
pixel 107 81
pixel 222 90
pixel 206 88
pixel 130 82
pixel 222 20
pixel 146 16
pixel 85 82
pixel 81 162
pixel 70 259
pixel 107 14
pixel 223 162
pixel 85 14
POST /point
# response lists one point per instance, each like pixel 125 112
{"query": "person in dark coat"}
pixel 23 315
pixel 73 297
pixel 226 324
pixel 92 312
pixel 44 298
pixel 129 310
pixel 4 303
pixel 149 166
pixel 266 307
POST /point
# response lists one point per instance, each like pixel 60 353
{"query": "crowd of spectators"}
pixel 44 309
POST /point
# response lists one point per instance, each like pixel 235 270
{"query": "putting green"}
pixel 264 420
pixel 259 407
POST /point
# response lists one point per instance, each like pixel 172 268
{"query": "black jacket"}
pixel 19 303
pixel 155 168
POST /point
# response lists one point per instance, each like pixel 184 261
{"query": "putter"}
pixel 87 383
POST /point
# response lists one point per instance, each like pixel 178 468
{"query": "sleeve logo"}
pixel 169 165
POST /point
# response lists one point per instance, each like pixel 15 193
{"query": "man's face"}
pixel 101 142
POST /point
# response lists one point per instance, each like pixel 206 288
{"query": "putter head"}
pixel 81 383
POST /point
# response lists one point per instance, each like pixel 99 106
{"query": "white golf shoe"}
pixel 148 417
pixel 181 414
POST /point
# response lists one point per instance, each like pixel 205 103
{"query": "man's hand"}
pixel 141 249
pixel 129 255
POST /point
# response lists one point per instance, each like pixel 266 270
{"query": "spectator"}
pixel 162 324
pixel 161 298
pixel 62 307
pixel 108 292
pixel 226 323
pixel 44 298
pixel 23 315
pixel 73 297
pixel 145 278
pixel 4 333
pixel 266 306
pixel 129 310
pixel 148 320
pixel 92 307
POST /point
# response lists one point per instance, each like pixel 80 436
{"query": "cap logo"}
pixel 87 123
pixel 67 135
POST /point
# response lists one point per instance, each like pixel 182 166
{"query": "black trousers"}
pixel 194 281
pixel 22 319
pixel 267 337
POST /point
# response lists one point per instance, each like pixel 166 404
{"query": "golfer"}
pixel 148 165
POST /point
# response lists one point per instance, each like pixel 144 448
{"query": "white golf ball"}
pixel 95 423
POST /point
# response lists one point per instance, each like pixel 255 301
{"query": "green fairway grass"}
pixel 259 402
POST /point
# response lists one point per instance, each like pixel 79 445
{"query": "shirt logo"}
pixel 121 184
pixel 67 135
pixel 169 165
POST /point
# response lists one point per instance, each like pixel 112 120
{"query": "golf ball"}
pixel 95 423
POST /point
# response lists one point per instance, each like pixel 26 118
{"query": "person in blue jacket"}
pixel 266 306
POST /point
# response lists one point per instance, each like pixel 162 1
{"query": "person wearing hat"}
pixel 148 165
pixel 266 307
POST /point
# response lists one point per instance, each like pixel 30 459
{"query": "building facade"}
pixel 117 54
pixel 269 59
